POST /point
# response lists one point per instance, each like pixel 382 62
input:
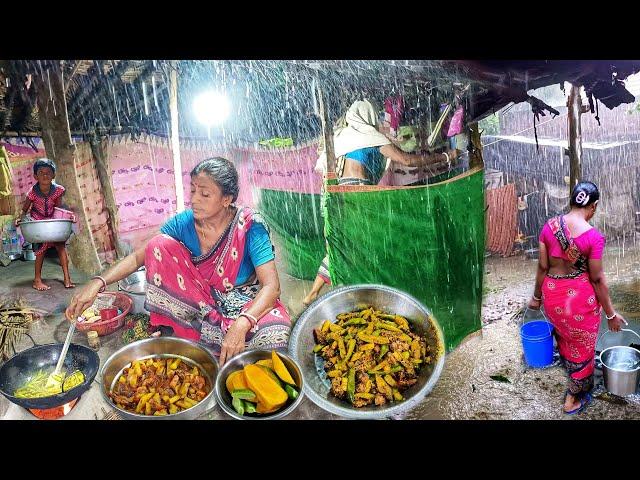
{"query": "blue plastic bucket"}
pixel 537 343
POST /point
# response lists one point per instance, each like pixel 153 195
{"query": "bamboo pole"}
pixel 574 105
pixel 52 110
pixel 175 139
pixel 327 132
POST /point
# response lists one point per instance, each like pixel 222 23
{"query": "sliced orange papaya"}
pixel 266 363
pixel 236 381
pixel 281 369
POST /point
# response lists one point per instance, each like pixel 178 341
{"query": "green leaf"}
pixel 500 378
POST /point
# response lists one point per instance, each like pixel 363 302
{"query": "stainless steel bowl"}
pixel 162 347
pixel 252 356
pixel 41 231
pixel 135 285
pixel 316 383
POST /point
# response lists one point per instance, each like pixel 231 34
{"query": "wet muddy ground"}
pixel 465 389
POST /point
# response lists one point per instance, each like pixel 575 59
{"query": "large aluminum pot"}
pixel 135 285
pixel 41 231
pixel 345 299
pixel 621 370
pixel 162 347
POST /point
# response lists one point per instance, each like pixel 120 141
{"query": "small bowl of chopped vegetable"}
pixel 368 351
pixel 259 384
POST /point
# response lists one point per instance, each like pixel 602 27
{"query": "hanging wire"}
pixel 525 130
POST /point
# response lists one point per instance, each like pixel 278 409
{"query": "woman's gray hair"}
pixel 221 171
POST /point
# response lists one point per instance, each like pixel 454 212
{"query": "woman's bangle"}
pixel 252 320
pixel 104 283
pixel 610 317
pixel 446 155
pixel 536 298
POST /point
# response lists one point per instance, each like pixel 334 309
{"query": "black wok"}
pixel 16 371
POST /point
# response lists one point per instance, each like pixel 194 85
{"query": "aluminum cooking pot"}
pixel 41 231
pixel 135 285
pixel 621 368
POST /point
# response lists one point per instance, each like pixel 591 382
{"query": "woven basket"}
pixel 106 327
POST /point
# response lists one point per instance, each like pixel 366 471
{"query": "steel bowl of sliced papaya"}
pixel 260 384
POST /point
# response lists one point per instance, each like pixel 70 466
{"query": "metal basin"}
pixel 620 376
pixel 252 356
pixel 345 299
pixel 41 231
pixel 162 347
pixel 135 285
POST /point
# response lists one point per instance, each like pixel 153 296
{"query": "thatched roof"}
pixel 275 97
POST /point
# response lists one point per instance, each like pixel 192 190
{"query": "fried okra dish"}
pixel 371 356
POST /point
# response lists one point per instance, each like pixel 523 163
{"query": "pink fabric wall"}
pixel 290 169
pixel 21 159
pixel 143 179
pixel 144 182
pixel 94 206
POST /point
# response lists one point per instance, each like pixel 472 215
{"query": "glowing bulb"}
pixel 211 108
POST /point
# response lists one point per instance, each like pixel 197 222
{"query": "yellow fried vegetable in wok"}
pixel 37 387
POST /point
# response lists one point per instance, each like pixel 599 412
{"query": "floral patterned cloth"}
pixel 572 307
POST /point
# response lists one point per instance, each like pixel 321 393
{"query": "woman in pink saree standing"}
pixel 211 275
pixel 570 282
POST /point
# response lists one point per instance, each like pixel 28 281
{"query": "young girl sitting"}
pixel 43 197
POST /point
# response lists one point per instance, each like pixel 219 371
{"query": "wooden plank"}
pixel 59 147
pixel 574 105
pixel 74 70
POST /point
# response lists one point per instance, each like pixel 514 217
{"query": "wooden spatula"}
pixel 55 379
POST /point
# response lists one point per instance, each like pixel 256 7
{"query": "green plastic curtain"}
pixel 296 221
pixel 427 241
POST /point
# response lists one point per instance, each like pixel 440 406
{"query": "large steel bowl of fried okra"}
pixel 368 351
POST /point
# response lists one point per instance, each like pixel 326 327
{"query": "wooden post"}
pixel 52 110
pixel 574 105
pixel 175 138
pixel 103 166
pixel 475 154
pixel 327 132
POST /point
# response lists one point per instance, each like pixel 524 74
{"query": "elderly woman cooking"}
pixel 211 275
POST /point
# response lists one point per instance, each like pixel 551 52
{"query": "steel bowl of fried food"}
pixel 160 378
pixel 368 351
